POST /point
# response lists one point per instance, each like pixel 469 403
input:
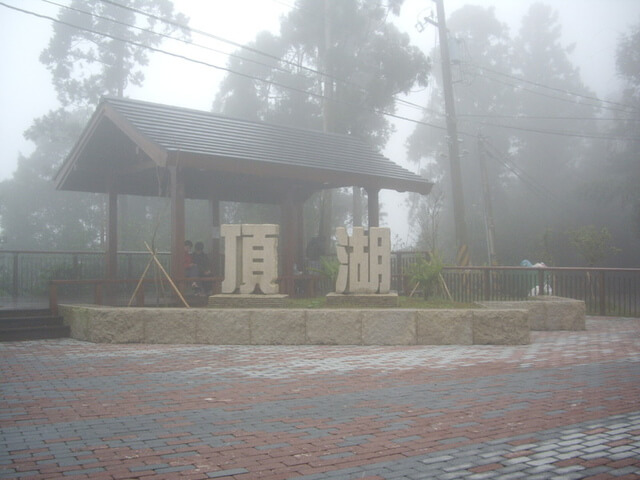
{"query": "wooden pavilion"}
pixel 131 147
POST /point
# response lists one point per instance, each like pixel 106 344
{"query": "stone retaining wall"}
pixel 548 312
pixel 297 326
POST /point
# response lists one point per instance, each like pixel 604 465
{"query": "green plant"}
pixel 426 274
pixel 329 267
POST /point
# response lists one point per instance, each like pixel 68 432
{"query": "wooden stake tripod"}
pixel 152 260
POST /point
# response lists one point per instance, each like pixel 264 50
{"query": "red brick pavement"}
pixel 170 411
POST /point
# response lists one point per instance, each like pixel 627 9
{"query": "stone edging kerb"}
pixel 493 323
pixel 297 326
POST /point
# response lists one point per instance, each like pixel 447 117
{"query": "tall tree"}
pixel 547 146
pixel 99 46
pixel 510 91
pixel 96 49
pixel 623 153
pixel 34 217
pixel 611 180
pixel 479 41
pixel 371 61
pixel 339 62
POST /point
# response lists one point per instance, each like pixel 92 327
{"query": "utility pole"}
pixel 326 203
pixel 462 241
pixel 488 207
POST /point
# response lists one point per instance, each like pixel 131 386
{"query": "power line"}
pixel 298 90
pixel 544 117
pixel 165 35
pixel 560 133
pixel 153 49
pixel 522 175
pixel 224 40
pixel 537 84
pixel 218 67
pixel 257 51
pixel 553 97
pixel 402 101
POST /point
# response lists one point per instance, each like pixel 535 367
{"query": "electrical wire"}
pixel 560 133
pixel 297 65
pixel 298 90
pixel 224 40
pixel 537 84
pixel 543 117
pixel 218 67
pixel 522 175
pixel 553 97
pixel 165 35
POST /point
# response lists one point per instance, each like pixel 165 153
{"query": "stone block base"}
pixel 244 326
pixel 372 300
pixel 548 313
pixel 248 301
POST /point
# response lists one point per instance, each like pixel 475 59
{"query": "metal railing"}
pixel 124 292
pixel 605 291
pixel 26 276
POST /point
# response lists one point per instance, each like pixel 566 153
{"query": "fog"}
pixel 594 26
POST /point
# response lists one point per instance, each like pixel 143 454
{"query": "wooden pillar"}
pixel 112 234
pixel 214 206
pixel 177 222
pixel 373 207
pixel 299 232
pixel 357 206
pixel 289 243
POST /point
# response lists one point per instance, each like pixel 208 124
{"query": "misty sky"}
pixel 25 90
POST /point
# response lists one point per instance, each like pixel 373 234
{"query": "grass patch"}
pixel 404 302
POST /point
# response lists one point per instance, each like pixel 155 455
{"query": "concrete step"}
pixel 30 322
pixel 18 325
pixel 37 333
pixel 24 312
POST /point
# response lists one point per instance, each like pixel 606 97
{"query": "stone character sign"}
pixel 365 260
pixel 251 258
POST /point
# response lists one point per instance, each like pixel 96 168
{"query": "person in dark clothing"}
pixel 203 264
pixel 190 268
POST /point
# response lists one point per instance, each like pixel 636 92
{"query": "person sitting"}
pixel 203 264
pixel 190 268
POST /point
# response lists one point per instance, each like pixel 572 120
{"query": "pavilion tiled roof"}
pixel 162 131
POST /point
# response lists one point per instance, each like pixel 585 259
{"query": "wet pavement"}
pixel 567 407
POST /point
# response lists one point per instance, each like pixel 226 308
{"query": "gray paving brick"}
pixel 227 473
pixel 619 472
pixel 156 466
pixel 623 455
pixel 85 471
pixel 438 459
pixel 409 408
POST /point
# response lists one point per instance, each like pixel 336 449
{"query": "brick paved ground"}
pixel 567 406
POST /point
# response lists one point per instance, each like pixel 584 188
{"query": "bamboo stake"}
pixel 173 285
pixel 144 274
pixel 446 289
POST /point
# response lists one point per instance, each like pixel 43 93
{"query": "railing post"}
pixel 16 277
pixel 540 281
pixel 486 280
pixel 53 298
pixel 140 297
pixel 399 273
pixel 602 294
pixel 129 265
pixel 76 267
pixel 97 293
